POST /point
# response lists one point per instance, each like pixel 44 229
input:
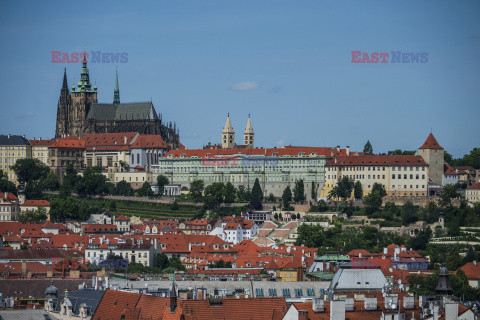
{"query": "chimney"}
pixel 451 311
pixel 408 302
pixel 124 139
pixel 318 305
pixel 348 150
pixel 338 148
pixel 24 267
pixel 337 310
pixel 370 303
pixel 349 305
pixel 475 262
pixel 9 136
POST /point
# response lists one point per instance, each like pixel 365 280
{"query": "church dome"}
pixel 51 290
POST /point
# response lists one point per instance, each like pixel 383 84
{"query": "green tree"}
pixel 162 181
pixel 31 172
pixel 344 188
pixel 373 201
pixel 409 213
pixel 380 189
pixel 313 191
pixel 174 206
pixel 124 188
pixel 92 182
pixel 243 194
pixel 287 197
pixel 271 197
pixel 229 193
pixel 50 182
pixel 5 184
pixel 275 216
pixel 368 149
pixel 448 193
pixel 35 216
pixel 161 261
pixel 145 190
pixel 213 195
pixel 256 196
pixel 358 190
pixel 175 263
pixel 196 190
pixel 299 191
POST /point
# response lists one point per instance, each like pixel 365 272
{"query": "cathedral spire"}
pixel 84 84
pixel 116 92
pixel 65 83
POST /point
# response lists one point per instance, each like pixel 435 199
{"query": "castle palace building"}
pixel 79 113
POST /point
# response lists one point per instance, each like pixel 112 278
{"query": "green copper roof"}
pixel 84 84
pixel 332 257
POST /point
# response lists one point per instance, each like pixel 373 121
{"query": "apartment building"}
pixel 400 175
pixel 13 148
pixel 40 149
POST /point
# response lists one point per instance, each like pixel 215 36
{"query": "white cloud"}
pixel 281 143
pixel 245 85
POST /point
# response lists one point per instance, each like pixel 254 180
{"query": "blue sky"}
pixel 287 63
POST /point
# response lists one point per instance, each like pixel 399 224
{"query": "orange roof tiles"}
pixel 377 160
pixel 431 143
pixel 8 197
pixel 288 150
pixel 114 303
pixel 73 143
pixel 472 270
pixel 36 203
pixel 42 142
pixel 149 141
pixel 122 218
pixel 475 186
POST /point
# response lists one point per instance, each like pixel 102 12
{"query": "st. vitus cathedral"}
pixel 79 113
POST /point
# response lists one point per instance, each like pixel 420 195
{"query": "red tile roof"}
pixel 149 141
pixel 377 160
pixel 431 143
pixel 472 270
pixel 122 218
pixel 114 303
pixel 42 142
pixel 69 142
pixel 287 150
pixel 8 197
pixel 447 169
pixel 36 203
pixel 110 139
pixel 475 186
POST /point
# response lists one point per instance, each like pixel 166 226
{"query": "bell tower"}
pixel 228 135
pixel 248 135
pixel 82 99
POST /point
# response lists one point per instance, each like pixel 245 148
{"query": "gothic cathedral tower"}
pixel 64 104
pixel 433 154
pixel 72 113
pixel 228 135
pixel 248 135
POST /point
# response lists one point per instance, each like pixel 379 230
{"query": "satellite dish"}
pixel 394 306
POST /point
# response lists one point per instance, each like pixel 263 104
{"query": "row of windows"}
pixel 404 168
pixel 380 176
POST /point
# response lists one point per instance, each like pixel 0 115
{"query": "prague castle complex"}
pixel 79 113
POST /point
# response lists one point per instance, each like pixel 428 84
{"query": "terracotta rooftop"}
pixel 377 160
pixel 431 143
